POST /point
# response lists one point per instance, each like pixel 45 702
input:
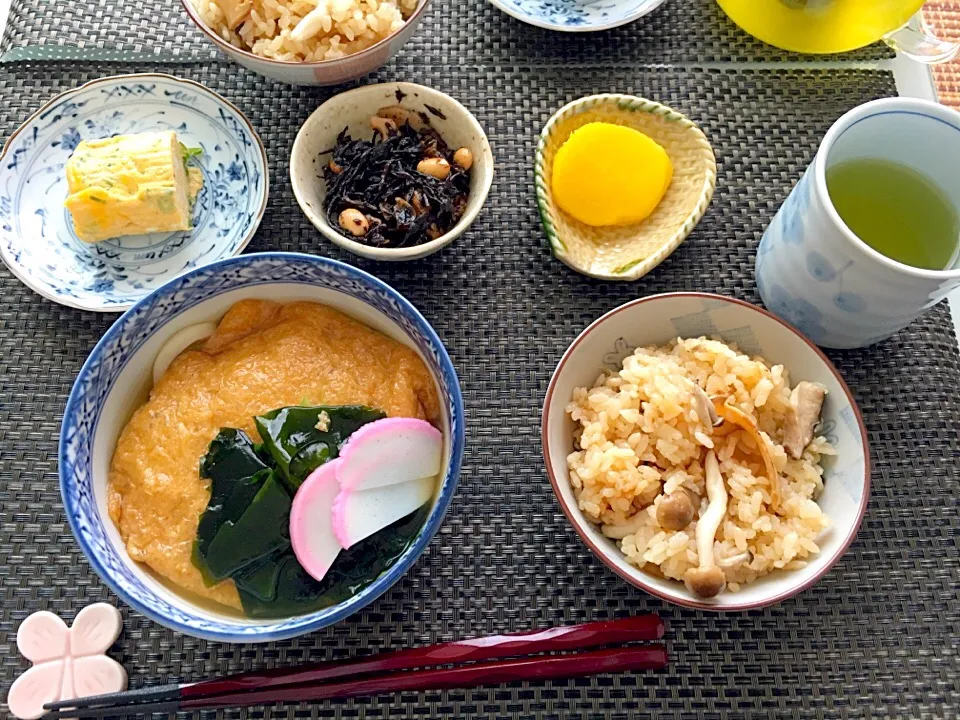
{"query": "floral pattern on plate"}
pixel 577 15
pixel 37 241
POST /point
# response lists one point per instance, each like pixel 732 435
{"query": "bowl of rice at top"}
pixel 706 451
pixel 303 42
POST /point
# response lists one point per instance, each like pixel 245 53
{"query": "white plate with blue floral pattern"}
pixel 577 15
pixel 37 241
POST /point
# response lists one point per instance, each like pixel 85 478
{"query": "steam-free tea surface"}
pixel 897 211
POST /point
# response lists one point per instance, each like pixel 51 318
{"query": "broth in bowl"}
pixel 205 472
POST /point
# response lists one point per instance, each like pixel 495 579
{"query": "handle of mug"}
pixel 915 41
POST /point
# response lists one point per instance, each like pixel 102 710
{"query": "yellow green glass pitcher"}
pixel 833 26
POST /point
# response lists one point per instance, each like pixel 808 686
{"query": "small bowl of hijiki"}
pixel 706 451
pixel 261 447
pixel 391 172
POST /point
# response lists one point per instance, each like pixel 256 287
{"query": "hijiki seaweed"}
pixel 403 187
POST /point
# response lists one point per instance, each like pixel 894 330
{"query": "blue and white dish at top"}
pixel 118 373
pixel 37 241
pixel 577 15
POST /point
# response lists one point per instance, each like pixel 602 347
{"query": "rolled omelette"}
pixel 130 185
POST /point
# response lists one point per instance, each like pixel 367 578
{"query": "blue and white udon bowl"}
pixel 116 377
pixel 37 241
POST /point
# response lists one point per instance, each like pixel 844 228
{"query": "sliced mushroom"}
pixel 629 527
pixel 705 582
pixel 735 561
pixel 235 11
pixel 676 510
pixel 806 402
pixel 746 422
pixel 705 409
pixel 708 580
pixel 313 23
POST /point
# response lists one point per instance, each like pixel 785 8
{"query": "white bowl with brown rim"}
pixel 323 72
pixel 352 111
pixel 658 319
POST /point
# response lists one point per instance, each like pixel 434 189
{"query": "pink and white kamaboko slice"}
pixel 386 470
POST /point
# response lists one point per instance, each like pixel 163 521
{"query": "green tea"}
pixel 897 211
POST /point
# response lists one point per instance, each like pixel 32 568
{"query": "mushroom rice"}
pixel 304 30
pixel 684 438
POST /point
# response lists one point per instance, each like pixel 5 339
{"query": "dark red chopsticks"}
pixel 551 667
pixel 403 670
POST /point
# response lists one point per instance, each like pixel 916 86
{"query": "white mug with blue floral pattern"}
pixel 815 273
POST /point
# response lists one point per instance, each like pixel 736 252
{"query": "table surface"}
pixel 878 637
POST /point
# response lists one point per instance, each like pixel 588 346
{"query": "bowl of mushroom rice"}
pixel 302 42
pixel 706 451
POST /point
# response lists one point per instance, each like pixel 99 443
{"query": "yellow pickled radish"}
pixel 607 174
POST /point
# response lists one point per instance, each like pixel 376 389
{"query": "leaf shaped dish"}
pixel 631 251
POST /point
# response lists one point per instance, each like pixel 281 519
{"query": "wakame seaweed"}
pixel 262 529
pixel 244 532
pixel 299 441
pixel 234 469
pixel 352 571
pixel 379 178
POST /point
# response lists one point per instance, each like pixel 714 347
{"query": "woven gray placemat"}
pixel 469 31
pixel 876 638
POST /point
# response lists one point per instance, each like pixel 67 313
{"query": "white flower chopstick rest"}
pixel 386 470
pixel 67 662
